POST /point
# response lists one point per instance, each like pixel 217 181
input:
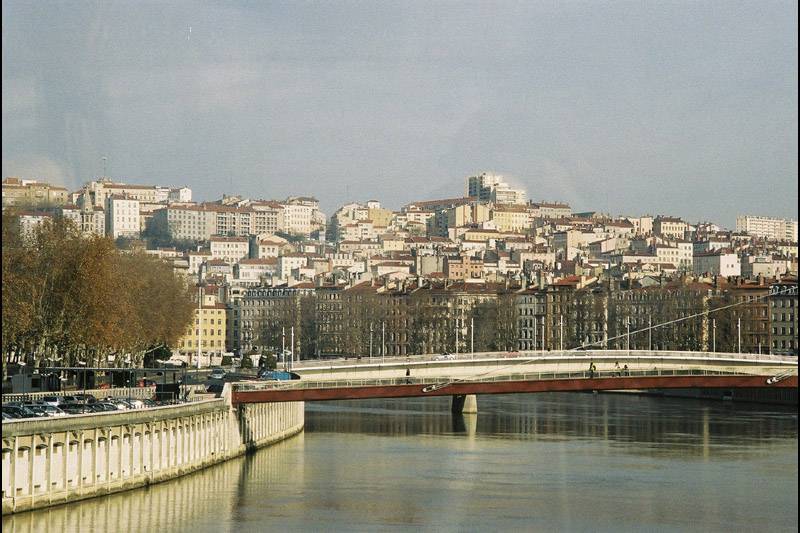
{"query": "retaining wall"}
pixel 50 461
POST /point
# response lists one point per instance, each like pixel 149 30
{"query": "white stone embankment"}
pixel 50 461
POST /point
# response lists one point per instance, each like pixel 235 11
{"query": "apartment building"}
pixel 229 249
pixel 122 217
pixel 492 188
pixel 770 228
pixel 32 193
pixel 670 227
pixel 717 262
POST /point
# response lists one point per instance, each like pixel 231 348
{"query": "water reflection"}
pixel 547 461
pixel 688 425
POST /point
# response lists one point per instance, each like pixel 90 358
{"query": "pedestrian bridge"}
pixel 523 372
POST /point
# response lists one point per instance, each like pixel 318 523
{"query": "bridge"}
pixel 523 372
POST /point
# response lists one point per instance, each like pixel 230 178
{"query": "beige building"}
pixel 549 210
pixel 192 222
pixel 101 189
pixel 509 218
pixel 670 227
pixel 229 249
pixel 267 217
pixel 31 193
pixel 641 225
pixel 264 246
pixel 206 332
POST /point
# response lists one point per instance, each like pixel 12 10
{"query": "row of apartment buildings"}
pixel 420 315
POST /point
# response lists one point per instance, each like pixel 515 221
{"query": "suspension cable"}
pixel 438 386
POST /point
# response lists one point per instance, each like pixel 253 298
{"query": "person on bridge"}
pixel 408 374
pixel 616 367
pixel 592 368
pixel 625 371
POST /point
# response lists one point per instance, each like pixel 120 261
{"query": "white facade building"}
pixel 774 229
pixel 192 222
pixel 180 194
pixel 718 263
pixel 122 217
pixel 229 249
pixel 492 188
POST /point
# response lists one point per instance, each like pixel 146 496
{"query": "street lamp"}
pixel 83 364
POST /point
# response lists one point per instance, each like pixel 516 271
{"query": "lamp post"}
pixel 739 332
pixel 383 342
pixel 370 342
pixel 543 334
pixel 83 364
pixel 456 335
pixel 714 334
pixel 628 333
pixel 283 348
pixel 199 322
pixel 129 364
pixel 472 336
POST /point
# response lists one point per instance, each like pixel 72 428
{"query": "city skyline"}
pixel 687 109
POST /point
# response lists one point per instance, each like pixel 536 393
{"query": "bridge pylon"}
pixel 464 404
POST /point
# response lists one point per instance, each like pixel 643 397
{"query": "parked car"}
pixel 18 411
pixel 217 373
pixel 51 400
pixel 36 408
pixel 75 408
pixel 119 403
pixel 52 410
pixel 102 407
pixel 277 375
pixel 85 398
pixel 135 403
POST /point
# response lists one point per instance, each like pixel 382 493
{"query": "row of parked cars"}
pixel 70 405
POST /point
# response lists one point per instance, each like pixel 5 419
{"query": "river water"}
pixel 539 462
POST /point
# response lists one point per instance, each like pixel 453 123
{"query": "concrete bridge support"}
pixel 464 403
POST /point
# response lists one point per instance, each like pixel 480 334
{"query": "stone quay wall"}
pixel 50 461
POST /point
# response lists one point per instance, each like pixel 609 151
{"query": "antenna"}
pixel 105 160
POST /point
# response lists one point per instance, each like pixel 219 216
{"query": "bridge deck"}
pixel 513 383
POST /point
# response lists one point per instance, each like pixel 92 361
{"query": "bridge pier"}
pixel 464 403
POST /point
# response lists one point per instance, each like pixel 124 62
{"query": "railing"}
pixel 116 392
pixel 529 376
pixel 309 364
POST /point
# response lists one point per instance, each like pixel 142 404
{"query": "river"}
pixel 539 462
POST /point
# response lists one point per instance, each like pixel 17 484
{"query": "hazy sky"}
pixel 654 107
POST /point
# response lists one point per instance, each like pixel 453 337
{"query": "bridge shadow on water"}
pixel 279 481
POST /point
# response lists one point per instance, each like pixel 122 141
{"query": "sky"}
pixel 684 108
